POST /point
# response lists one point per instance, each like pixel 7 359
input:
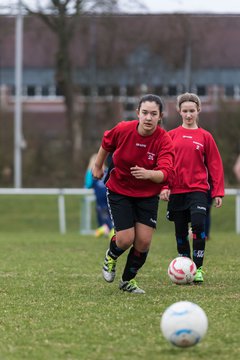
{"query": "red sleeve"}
pixel 215 167
pixel 110 139
pixel 166 160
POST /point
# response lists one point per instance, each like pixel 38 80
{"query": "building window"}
pixel 201 90
pixel 31 90
pixel 158 90
pixel 104 90
pixel 229 91
pixel 172 90
pixel 45 90
pixel 130 91
pixel 86 91
pixel 130 106
pixel 59 91
pixel 115 90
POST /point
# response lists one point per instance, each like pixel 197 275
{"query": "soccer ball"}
pixel 182 270
pixel 184 324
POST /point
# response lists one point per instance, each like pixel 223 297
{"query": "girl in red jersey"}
pixel 143 158
pixel 197 160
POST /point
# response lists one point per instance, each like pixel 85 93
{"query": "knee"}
pixel 198 228
pixel 142 245
pixel 125 238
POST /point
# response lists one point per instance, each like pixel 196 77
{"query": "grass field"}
pixel 55 304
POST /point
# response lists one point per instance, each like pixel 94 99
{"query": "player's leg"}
pixel 198 219
pixel 136 258
pixel 181 220
pixel 198 230
pixel 123 218
pixel 146 216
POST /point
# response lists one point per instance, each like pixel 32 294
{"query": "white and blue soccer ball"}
pixel 184 324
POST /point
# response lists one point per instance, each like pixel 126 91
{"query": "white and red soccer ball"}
pixel 182 270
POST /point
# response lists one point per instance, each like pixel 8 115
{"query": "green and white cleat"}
pixel 131 286
pixel 109 268
pixel 199 275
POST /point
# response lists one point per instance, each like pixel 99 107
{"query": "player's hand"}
pixel 139 172
pixel 164 194
pixel 97 172
pixel 218 202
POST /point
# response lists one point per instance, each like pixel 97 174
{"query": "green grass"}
pixel 54 303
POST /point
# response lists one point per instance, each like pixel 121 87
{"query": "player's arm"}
pixel 98 167
pixel 165 167
pixel 156 176
pixel 215 170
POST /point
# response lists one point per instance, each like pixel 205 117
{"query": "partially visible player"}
pixel 143 159
pixel 196 160
pixel 236 168
pixel 105 225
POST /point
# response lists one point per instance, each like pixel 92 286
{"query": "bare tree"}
pixel 61 16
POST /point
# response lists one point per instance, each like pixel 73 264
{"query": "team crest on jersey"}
pixel 150 156
pixel 198 145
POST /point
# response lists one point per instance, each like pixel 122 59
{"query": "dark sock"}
pixel 135 261
pixel 183 246
pixel 114 251
pixel 198 248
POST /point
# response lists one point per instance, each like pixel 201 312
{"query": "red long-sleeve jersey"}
pixel 129 148
pixel 197 162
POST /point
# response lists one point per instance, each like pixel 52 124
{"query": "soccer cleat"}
pixel 199 275
pixel 102 230
pixel 131 287
pixel 109 268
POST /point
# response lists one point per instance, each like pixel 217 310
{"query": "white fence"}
pixel 86 207
pixel 235 192
pixel 86 204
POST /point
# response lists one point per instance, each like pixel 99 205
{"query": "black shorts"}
pixel 193 202
pixel 125 211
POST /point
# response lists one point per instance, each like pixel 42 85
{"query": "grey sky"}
pixel 165 6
